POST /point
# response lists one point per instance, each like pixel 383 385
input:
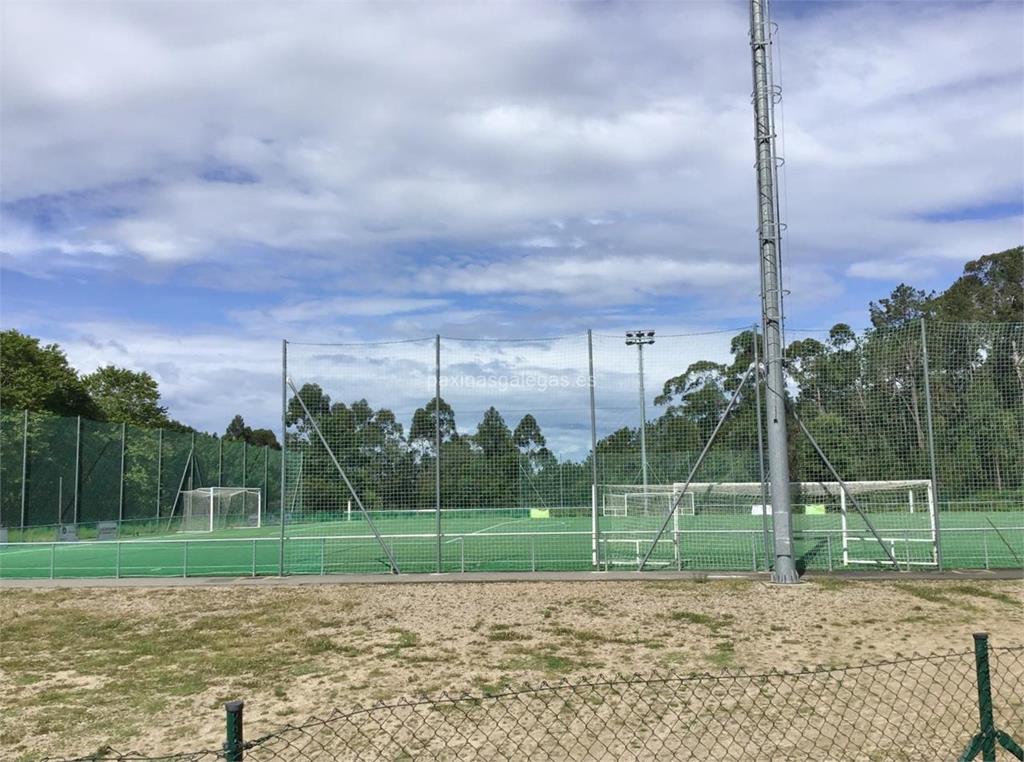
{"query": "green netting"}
pixel 177 472
pixel 233 459
pixel 12 427
pixel 518 485
pixel 207 462
pixel 142 467
pixel 156 465
pixel 51 470
pixel 100 479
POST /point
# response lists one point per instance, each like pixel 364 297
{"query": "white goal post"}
pixel 209 508
pixel 632 500
pixel 902 509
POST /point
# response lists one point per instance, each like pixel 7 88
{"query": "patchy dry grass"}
pixel 149 668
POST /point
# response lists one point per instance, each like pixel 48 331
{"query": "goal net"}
pixel 901 513
pixel 635 500
pixel 893 497
pixel 209 508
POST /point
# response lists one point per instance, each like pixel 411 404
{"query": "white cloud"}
pixel 888 271
pixel 501 169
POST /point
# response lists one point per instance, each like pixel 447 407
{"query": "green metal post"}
pixel 234 742
pixel 120 482
pixel 159 467
pixel 78 472
pixel 24 466
pixel 988 726
pixel 984 743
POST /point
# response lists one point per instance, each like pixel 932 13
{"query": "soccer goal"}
pixel 902 511
pixel 209 508
pixel 634 500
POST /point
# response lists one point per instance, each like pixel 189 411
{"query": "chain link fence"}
pixel 939 707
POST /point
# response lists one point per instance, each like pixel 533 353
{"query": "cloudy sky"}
pixel 186 183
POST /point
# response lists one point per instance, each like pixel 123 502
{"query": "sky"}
pixel 185 184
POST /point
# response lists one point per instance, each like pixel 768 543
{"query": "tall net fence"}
pixel 586 452
pixel 575 452
pixel 943 706
pixel 76 473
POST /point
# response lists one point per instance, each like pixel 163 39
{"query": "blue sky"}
pixel 184 184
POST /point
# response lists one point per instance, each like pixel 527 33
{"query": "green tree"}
pixel 493 436
pixel 991 290
pixel 38 377
pixel 237 431
pixel 904 306
pixel 422 428
pixel 126 396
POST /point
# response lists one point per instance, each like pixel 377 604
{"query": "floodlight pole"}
pixel 639 338
pixel 769 238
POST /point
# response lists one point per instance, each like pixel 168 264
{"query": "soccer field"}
pixel 516 540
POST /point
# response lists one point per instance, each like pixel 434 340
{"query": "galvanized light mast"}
pixel 639 338
pixel 769 237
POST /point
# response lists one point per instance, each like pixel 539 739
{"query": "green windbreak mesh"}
pixel 176 471
pixel 100 472
pixel 140 476
pixel 233 457
pixel 273 492
pixel 51 470
pixel 207 459
pixel 156 466
pixel 11 432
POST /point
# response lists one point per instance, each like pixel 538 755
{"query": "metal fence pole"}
pixel 768 555
pixel 220 461
pixel 120 481
pixel 931 444
pixel 437 448
pixel 284 452
pixel 78 470
pixel 24 467
pixel 234 742
pixel 191 462
pixel 159 468
pixel 595 541
pixel 244 450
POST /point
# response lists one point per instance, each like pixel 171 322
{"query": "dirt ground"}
pixel 149 669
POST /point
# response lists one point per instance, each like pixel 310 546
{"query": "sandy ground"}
pixel 149 669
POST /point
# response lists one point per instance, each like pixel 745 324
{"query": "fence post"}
pixel 437 447
pixel 284 454
pixel 234 742
pixel 760 453
pixel 931 444
pixel 595 540
pixel 24 466
pixel 220 461
pixel 120 483
pixel 984 743
pixel 159 468
pixel 78 471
